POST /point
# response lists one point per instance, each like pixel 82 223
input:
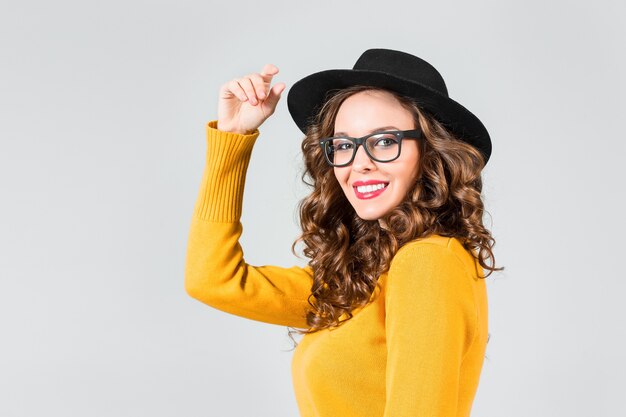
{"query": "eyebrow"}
pixel 378 129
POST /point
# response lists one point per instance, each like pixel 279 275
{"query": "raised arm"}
pixel 431 324
pixel 215 270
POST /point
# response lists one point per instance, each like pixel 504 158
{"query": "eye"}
pixel 385 141
pixel 342 145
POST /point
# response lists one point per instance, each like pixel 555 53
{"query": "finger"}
pixel 247 86
pixel 260 85
pixel 278 89
pixel 268 71
pixel 235 89
pixel 274 96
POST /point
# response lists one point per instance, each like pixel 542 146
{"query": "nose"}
pixel 362 161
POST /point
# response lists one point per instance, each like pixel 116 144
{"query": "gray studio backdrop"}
pixel 103 107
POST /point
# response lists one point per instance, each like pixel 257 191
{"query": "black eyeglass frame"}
pixel 399 134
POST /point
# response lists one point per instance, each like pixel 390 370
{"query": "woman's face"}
pixel 359 115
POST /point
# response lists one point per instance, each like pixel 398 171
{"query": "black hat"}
pixel 398 71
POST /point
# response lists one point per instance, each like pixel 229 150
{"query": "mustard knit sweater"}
pixel 416 349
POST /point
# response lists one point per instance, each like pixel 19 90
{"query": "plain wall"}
pixel 103 107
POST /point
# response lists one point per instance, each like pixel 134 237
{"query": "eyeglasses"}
pixel 380 146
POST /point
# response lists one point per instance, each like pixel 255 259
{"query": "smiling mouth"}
pixel 365 192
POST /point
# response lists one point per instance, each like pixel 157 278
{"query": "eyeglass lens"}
pixel 383 147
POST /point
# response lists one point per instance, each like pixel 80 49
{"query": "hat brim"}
pixel 306 97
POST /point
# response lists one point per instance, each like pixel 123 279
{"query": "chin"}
pixel 369 215
pixel 370 218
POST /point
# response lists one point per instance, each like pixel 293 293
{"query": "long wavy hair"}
pixel 347 254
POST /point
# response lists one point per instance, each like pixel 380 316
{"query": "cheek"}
pixel 342 175
pixel 408 169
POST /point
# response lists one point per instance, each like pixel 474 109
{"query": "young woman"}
pixel 393 303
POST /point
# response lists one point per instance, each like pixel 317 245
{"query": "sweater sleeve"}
pixel 215 270
pixel 431 321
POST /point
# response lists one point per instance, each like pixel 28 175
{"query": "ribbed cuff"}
pixel 221 189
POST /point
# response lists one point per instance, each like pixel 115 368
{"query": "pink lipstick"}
pixel 365 190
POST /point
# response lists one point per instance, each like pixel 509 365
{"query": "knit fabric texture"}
pixel 416 349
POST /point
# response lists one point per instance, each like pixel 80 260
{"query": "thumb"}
pixel 274 95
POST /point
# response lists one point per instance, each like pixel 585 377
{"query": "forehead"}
pixel 367 110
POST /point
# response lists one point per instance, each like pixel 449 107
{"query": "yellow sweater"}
pixel 416 349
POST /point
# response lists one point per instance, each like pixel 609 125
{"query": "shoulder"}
pixel 431 274
pixel 434 251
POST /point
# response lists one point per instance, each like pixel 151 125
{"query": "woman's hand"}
pixel 246 102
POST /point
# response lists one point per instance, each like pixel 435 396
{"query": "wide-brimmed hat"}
pixel 398 71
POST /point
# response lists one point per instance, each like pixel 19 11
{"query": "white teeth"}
pixel 370 188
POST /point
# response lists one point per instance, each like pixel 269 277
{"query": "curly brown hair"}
pixel 347 254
